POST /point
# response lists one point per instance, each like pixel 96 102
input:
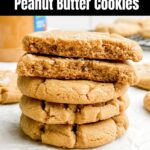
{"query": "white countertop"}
pixel 136 138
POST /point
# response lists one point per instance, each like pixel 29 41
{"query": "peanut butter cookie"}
pixel 53 113
pixel 82 45
pixel 9 92
pixel 143 71
pixel 73 69
pixel 70 91
pixel 75 136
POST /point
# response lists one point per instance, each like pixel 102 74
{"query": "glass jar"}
pixel 12 30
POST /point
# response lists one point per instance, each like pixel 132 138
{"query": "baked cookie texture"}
pixel 53 113
pixel 143 71
pixel 64 68
pixel 82 45
pixel 76 136
pixel 70 91
pixel 147 101
pixel 9 92
pixel 74 85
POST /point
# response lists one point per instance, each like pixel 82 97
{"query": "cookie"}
pixel 75 136
pixel 103 28
pixel 70 91
pixel 145 32
pixel 64 68
pixel 9 92
pixel 91 45
pixel 147 101
pixel 144 76
pixel 125 29
pixel 137 21
pixel 53 113
pixel 145 22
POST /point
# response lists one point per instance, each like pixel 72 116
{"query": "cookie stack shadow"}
pixel 74 87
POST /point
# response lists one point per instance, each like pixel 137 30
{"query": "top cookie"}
pixel 83 44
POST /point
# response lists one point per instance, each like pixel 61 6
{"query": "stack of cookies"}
pixel 74 86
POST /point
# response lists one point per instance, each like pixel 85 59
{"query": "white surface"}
pixel 136 138
pixel 69 22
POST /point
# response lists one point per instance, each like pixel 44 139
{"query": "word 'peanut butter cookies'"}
pixel 64 68
pixel 70 91
pixel 53 113
pixel 82 45
pixel 76 136
pixel 9 92
pixel 143 72
pixel 147 101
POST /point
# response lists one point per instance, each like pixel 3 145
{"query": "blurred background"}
pixel 13 28
pixel 84 23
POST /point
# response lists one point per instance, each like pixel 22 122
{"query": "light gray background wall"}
pixel 80 22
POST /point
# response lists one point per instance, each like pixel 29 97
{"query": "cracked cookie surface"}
pixel 83 45
pixel 53 113
pixel 70 91
pixel 65 68
pixel 9 92
pixel 76 136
